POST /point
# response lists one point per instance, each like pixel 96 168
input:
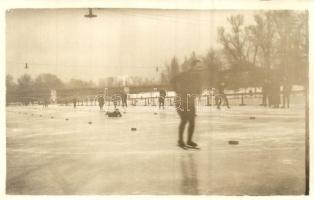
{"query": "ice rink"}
pixel 47 154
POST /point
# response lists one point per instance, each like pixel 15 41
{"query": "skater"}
pixel 274 94
pixel 124 98
pixel 46 102
pixel 221 95
pixel 286 90
pixel 101 102
pixel 265 92
pixel 74 101
pixel 162 97
pixel 186 85
pixel 115 99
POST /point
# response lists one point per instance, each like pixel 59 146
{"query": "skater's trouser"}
pixel 184 121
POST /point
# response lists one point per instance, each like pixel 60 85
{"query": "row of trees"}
pixel 275 46
pixel 45 82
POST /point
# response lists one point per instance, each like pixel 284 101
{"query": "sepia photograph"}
pixel 138 101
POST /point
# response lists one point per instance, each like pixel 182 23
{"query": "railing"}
pixel 241 99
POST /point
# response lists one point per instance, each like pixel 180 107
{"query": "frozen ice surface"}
pixel 59 156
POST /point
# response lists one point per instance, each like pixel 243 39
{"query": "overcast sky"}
pixel 115 43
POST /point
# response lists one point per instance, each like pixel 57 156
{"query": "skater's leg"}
pixel 181 129
pixel 191 130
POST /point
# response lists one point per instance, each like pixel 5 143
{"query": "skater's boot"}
pixel 181 143
pixel 191 143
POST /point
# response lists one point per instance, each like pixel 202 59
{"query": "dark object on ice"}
pixel 133 129
pixel 89 122
pixel 115 113
pixel 155 113
pixel 40 115
pixel 66 119
pixel 51 117
pixel 233 142
pixel 252 117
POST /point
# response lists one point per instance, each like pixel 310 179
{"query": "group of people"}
pixel 101 100
pixel 185 102
pixel 123 96
pixel 271 93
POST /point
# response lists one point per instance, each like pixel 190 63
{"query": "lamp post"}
pixel 90 14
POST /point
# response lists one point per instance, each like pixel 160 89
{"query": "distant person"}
pixel 221 95
pixel 274 94
pixel 124 98
pixel 250 93
pixel 271 96
pixel 185 85
pixel 265 92
pixel 101 102
pixel 286 90
pixel 161 99
pixel 115 99
pixel 74 101
pixel 45 103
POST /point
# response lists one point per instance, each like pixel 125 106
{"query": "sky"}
pixel 118 42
